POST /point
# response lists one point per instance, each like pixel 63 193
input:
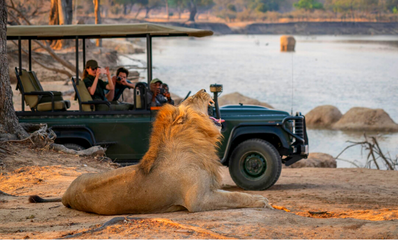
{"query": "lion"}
pixel 180 171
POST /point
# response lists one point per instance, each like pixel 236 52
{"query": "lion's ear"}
pixel 180 117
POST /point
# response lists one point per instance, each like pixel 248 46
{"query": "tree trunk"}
pixel 192 10
pixel 97 18
pixel 147 9
pixel 65 12
pixel 167 10
pixel 8 120
pixel 54 19
pixel 124 9
pixel 138 12
pixel 61 13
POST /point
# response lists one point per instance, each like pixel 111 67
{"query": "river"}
pixel 344 71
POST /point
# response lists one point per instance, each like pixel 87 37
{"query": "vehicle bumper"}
pixel 299 152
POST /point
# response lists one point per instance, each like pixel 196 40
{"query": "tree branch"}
pixel 46 66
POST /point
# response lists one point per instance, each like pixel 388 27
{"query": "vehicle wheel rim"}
pixel 254 165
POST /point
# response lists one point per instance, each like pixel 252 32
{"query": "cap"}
pixel 91 63
pixel 155 80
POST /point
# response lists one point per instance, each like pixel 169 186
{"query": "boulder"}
pixel 177 99
pixel 360 118
pixel 236 98
pixel 121 46
pixel 322 116
pixel 318 160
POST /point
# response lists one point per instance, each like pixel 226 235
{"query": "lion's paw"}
pixel 262 202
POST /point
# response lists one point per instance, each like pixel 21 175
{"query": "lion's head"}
pixel 199 101
pixel 185 128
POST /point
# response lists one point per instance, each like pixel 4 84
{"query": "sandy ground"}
pixel 309 203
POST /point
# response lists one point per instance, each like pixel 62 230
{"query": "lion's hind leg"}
pixel 220 199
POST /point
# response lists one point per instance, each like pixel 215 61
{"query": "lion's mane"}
pixel 184 129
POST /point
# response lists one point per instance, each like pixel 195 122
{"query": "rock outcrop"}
pixel 359 118
pixel 323 116
pixel 121 46
pixel 318 160
pixel 236 98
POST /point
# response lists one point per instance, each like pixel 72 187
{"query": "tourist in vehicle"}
pixel 167 93
pixel 95 85
pixel 157 95
pixel 121 83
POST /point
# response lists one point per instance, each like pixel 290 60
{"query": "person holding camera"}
pixel 121 83
pixel 94 84
pixel 158 95
pixel 167 93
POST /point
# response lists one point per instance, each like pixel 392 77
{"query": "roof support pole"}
pixel 149 57
pixel 77 60
pixel 84 52
pixel 20 55
pixel 30 55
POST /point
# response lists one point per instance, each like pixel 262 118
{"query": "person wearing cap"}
pixel 157 95
pixel 94 84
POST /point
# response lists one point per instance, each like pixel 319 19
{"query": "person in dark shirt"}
pixel 157 96
pixel 95 85
pixel 121 83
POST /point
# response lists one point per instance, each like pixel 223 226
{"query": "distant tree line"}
pixel 61 11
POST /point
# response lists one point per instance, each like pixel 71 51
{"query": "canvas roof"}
pixel 102 30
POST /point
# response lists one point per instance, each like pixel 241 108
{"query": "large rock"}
pixel 236 98
pixel 359 118
pixel 121 46
pixel 318 160
pixel 323 116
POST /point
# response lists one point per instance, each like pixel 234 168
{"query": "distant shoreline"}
pixel 285 28
pixel 298 28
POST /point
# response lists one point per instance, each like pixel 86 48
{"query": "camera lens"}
pixel 118 78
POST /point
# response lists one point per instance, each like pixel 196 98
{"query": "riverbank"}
pixel 298 28
pixel 308 202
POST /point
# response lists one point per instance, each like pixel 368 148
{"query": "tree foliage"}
pixel 308 5
pixel 263 5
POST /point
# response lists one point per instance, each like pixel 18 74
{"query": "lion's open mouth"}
pixel 217 121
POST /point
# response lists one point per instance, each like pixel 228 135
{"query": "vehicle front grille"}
pixel 299 128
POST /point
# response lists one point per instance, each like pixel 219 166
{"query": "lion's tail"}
pixel 37 199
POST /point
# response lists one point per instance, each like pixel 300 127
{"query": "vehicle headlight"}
pixel 291 125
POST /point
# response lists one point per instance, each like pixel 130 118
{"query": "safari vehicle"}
pixel 256 140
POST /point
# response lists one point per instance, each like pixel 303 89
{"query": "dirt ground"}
pixel 308 202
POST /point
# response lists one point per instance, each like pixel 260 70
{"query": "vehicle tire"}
pixel 255 164
pixel 73 146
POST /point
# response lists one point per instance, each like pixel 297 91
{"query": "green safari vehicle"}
pixel 257 140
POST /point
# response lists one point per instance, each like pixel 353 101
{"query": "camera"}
pixel 102 70
pixel 118 79
pixel 162 90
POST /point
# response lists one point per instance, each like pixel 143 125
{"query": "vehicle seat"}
pixel 139 95
pixel 87 104
pixel 34 95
